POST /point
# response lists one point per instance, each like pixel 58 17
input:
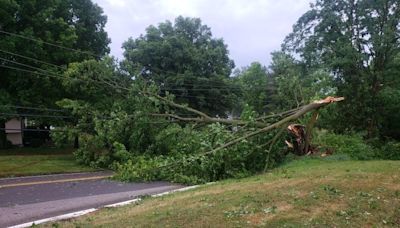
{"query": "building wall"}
pixel 14 131
pixel 14 124
pixel 15 138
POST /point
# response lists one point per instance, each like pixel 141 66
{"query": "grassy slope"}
pixel 33 161
pixel 303 193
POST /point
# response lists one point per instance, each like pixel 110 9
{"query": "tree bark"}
pixel 309 128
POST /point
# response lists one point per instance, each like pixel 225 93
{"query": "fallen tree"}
pixel 303 135
pixel 152 137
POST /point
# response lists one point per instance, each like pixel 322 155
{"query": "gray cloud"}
pixel 252 29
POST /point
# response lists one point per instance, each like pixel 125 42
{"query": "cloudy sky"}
pixel 252 29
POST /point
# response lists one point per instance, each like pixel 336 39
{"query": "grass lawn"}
pixel 303 193
pixel 34 161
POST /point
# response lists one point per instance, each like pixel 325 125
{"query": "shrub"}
pixel 390 150
pixel 62 138
pixel 138 168
pixel 92 152
pixel 350 144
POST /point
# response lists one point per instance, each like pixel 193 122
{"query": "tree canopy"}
pixel 184 59
pixel 358 41
pixel 45 36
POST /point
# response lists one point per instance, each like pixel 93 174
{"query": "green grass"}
pixel 34 161
pixel 302 193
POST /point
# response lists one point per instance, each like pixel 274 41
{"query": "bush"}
pixel 390 150
pixel 62 138
pixel 351 144
pixel 93 152
pixel 138 168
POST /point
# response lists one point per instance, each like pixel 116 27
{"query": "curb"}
pixel 87 211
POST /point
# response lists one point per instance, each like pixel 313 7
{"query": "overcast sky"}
pixel 252 29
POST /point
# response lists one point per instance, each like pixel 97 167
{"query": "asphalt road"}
pixel 32 198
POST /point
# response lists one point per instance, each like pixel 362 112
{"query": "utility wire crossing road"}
pixel 27 199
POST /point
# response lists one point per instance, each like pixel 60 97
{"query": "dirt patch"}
pixel 269 213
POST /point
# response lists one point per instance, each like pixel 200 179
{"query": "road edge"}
pixel 90 210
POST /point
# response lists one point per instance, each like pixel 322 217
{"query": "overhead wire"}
pixel 34 108
pixel 31 129
pixel 34 115
pixel 50 44
pixel 33 59
pixel 53 75
pixel 202 87
pixel 29 66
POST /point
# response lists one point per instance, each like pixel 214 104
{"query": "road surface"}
pixel 28 199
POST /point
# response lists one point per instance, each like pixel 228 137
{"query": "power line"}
pixel 203 88
pixel 33 59
pixel 195 89
pixel 34 115
pixel 50 44
pixel 198 97
pixel 33 72
pixel 56 75
pixel 71 117
pixel 34 108
pixel 64 111
pixel 29 66
pixel 31 129
pixel 89 53
pixel 62 76
pixel 51 74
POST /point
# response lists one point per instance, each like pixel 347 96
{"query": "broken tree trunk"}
pixel 309 128
pixel 297 133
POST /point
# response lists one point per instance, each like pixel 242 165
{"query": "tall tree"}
pixel 25 28
pixel 254 83
pixel 295 84
pixel 358 41
pixel 184 59
pixel 39 38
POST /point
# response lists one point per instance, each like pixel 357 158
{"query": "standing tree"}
pixel 38 39
pixel 184 59
pixel 254 83
pixel 26 27
pixel 295 84
pixel 358 41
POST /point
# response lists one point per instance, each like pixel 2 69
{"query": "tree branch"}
pixel 305 109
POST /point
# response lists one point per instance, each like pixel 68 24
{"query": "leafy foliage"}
pixel 37 39
pixel 295 84
pixel 75 24
pixel 184 59
pixel 358 42
pixel 191 160
pixel 352 145
pixel 254 84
